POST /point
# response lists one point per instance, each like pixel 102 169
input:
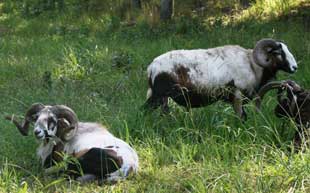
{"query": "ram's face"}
pixel 45 125
pixel 287 101
pixel 285 59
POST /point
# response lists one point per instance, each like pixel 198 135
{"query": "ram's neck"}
pixel 267 75
pixel 44 150
pixel 263 75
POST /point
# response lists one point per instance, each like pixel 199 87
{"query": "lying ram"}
pixel 100 155
pixel 195 78
pixel 294 104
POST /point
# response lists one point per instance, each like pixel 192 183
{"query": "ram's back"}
pixel 208 68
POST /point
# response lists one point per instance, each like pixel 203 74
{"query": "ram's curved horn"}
pixel 64 112
pixel 269 86
pixel 261 51
pixel 24 126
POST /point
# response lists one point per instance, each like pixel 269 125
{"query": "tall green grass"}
pixel 99 69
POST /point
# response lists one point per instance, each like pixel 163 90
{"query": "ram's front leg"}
pixel 238 104
pixel 302 138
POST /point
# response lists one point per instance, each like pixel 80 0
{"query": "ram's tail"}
pixel 149 90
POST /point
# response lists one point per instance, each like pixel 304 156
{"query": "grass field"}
pixel 99 70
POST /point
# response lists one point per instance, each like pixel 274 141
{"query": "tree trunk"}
pixel 61 5
pixel 26 8
pixel 50 5
pixel 166 9
pixel 306 22
pixel 245 3
pixel 84 5
pixel 200 7
pixel 136 4
pixel 198 4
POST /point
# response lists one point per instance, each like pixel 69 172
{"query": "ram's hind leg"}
pixel 97 162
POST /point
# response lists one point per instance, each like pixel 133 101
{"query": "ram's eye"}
pixel 277 51
pixel 34 117
pixel 51 123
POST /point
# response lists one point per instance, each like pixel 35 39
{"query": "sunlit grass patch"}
pixel 261 11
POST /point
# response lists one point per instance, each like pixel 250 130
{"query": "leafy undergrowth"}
pixel 100 71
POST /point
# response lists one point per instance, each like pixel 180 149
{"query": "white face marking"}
pixel 45 125
pixel 290 58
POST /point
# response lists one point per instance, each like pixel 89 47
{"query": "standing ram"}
pixel 100 155
pixel 294 104
pixel 196 78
